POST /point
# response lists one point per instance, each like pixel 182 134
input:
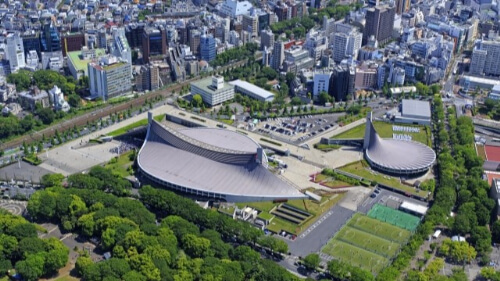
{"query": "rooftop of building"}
pixel 81 64
pixel 169 159
pixel 395 154
pixel 416 108
pixel 252 88
pixel 206 85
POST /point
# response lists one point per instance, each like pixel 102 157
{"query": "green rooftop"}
pixel 81 65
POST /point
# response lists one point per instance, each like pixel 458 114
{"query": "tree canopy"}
pixel 165 244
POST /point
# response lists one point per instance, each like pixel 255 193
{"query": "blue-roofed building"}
pixel 207 47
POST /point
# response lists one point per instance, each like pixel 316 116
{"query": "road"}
pixel 82 120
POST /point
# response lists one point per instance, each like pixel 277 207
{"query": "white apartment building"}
pixel 109 77
pixel 15 52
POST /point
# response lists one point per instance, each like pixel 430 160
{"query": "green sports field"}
pixel 355 256
pixel 380 229
pixel 394 217
pixel 368 241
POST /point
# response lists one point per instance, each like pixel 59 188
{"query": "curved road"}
pixel 82 120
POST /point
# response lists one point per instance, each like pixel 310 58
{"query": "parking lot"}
pixel 298 129
pixel 387 198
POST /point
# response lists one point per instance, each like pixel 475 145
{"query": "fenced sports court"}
pixel 367 242
pixel 380 229
pixel 394 217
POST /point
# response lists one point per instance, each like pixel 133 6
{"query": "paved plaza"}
pixel 22 171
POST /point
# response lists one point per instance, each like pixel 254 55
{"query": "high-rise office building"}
pixel 402 6
pixel 102 38
pixel 264 18
pixel 486 58
pixel 31 41
pixel 72 42
pixel 477 62
pixel 328 25
pixel 379 23
pixel 50 39
pixel 120 47
pixel 251 24
pixel 154 42
pixel 15 52
pixel 266 39
pixel 281 12
pixel 339 46
pixel 133 32
pixel 109 77
pixel 207 47
pixel 278 55
pixel 321 82
pixel 342 82
pixel 194 41
pixel 346 45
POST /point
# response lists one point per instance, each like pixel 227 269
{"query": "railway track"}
pixel 82 120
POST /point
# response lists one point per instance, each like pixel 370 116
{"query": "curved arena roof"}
pixel 396 156
pixel 213 163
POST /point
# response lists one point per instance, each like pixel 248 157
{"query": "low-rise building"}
pixel 56 97
pixel 29 99
pixel 7 91
pixel 213 90
pixel 252 91
pixel 415 112
pixel 495 93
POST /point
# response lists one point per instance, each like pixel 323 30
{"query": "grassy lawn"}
pixel 359 169
pixel 480 151
pixel 355 256
pixel 134 125
pixel 326 147
pixel 226 121
pixel 368 241
pixel 265 216
pixel 312 207
pixel 336 184
pixel 127 128
pixel 384 130
pixel 119 166
pixel 380 229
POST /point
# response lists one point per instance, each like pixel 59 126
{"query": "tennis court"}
pixel 492 153
pixel 394 217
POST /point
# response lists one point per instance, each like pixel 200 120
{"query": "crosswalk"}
pixel 325 257
pixel 316 224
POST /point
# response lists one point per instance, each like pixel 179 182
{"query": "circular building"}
pixel 394 156
pixel 217 164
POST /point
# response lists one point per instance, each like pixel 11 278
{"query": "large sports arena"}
pixel 217 164
pixel 394 156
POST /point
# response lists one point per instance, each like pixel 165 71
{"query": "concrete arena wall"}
pixel 396 171
pixel 222 157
